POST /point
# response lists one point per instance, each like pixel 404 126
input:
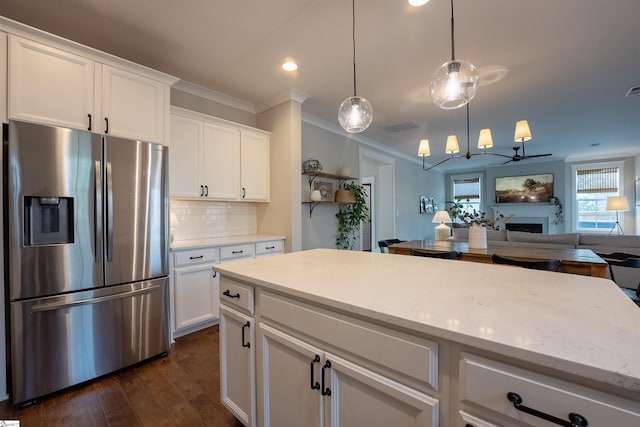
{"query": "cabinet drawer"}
pixel 411 357
pixel 486 383
pixel 236 294
pixel 269 248
pixel 195 256
pixel 228 253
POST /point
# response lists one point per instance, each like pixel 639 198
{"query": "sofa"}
pixel 598 243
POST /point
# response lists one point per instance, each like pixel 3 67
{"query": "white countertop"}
pixel 581 325
pixel 223 241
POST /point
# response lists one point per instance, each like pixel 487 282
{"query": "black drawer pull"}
pixel 245 344
pixel 326 391
pixel 227 293
pixel 90 119
pixel 315 385
pixel 270 247
pixel 196 257
pixel 106 127
pixel 237 252
pixel 575 420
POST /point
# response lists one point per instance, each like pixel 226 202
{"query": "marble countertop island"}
pixel 576 324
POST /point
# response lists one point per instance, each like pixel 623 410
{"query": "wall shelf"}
pixel 311 176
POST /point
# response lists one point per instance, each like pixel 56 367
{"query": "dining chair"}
pixel 441 255
pixel 382 244
pixel 548 265
pixel 621 259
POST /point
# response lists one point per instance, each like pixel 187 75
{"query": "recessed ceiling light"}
pixel 418 2
pixel 289 66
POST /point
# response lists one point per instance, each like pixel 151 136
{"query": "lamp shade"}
pixel 423 148
pixel 441 216
pixel 617 203
pixel 485 140
pixel 452 146
pixel 522 133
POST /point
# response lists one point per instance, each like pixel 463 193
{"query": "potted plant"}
pixel 351 215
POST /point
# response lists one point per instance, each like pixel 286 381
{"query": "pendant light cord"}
pixel 468 155
pixel 353 37
pixel 453 45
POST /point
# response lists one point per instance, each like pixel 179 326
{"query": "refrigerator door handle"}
pixel 61 305
pixel 97 210
pixel 109 213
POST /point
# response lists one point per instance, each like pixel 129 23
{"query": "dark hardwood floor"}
pixel 181 389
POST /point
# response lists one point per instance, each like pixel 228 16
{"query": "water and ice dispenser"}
pixel 48 220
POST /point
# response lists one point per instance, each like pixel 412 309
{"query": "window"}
pixel 593 183
pixel 467 191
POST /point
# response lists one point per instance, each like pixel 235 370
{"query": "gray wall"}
pixel 397 202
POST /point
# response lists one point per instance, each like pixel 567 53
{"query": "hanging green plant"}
pixel 350 216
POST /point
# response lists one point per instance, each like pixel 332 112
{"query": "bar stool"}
pixel 548 265
pixel 382 244
pixel 441 255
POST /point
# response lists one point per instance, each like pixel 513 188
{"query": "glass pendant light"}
pixel 455 82
pixel 355 113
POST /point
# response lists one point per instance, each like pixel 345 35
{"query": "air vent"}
pixel 401 127
pixel 633 91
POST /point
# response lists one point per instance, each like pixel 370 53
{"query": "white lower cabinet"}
pixel 304 385
pixel 195 290
pixel 237 374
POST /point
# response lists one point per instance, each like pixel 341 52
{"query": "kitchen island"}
pixel 326 337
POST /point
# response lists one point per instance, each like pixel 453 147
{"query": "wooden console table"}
pixel 574 261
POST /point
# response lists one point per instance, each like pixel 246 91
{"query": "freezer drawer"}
pixel 60 341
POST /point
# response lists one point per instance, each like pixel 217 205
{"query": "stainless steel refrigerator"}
pixel 86 224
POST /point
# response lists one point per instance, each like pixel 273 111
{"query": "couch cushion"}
pixel 462 234
pixel 559 239
pixel 612 241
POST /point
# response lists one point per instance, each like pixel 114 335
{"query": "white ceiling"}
pixel 568 63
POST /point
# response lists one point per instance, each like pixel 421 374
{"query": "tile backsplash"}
pixel 196 219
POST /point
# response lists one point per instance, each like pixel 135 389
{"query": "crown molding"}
pixel 290 94
pixel 369 142
pixel 214 95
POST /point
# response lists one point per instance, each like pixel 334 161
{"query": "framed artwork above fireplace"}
pixel 524 189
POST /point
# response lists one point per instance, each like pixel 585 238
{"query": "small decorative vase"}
pixel 477 237
pixel 315 196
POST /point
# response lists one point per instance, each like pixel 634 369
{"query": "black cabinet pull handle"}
pixel 314 385
pixel 106 129
pixel 227 293
pixel 575 420
pixel 201 190
pixel 89 115
pixel 326 391
pixel 237 252
pixel 270 247
pixel 215 274
pixel 246 325
pixel 196 257
pixel 244 192
pixel 206 190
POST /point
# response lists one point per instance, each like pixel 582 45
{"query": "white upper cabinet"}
pixel 218 160
pixel 54 86
pixel 255 166
pixel 49 86
pixel 133 105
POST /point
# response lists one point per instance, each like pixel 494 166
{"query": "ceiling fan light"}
pixel 452 146
pixel 423 148
pixel 484 139
pixel 454 84
pixel 355 114
pixel 522 133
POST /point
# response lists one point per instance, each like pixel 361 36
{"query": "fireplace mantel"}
pixel 542 213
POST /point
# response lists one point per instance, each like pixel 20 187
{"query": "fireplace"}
pixel 532 217
pixel 525 226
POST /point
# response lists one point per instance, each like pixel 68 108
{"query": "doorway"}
pixel 368 232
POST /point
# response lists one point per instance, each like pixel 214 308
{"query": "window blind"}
pixel 600 180
pixel 468 188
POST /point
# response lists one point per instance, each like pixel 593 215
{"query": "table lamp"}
pixel 617 203
pixel 442 231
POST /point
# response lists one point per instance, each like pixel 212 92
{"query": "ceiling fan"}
pixel 517 157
